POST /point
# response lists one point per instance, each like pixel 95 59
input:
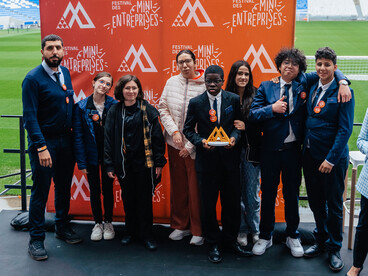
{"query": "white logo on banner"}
pixel 206 55
pixel 80 96
pixel 257 59
pixel 79 8
pixel 259 13
pixel 89 58
pixel 159 195
pixel 179 21
pixel 124 67
pixel 79 188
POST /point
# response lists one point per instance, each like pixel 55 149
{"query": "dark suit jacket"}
pixel 198 127
pixel 328 132
pixel 275 126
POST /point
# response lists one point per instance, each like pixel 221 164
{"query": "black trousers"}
pixel 136 190
pixel 288 163
pixel 361 235
pixel 95 184
pixel 61 172
pixel 227 183
pixel 325 199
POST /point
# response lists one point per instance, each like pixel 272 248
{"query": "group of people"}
pixel 294 121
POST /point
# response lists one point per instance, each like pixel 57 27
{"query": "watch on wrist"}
pixel 344 82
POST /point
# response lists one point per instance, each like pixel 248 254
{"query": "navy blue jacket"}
pixel 198 127
pixel 328 131
pixel 85 147
pixel 46 112
pixel 275 126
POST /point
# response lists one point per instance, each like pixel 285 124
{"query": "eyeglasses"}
pixel 186 61
pixel 102 82
pixel 290 63
pixel 216 81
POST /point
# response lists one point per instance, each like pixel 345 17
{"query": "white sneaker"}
pixel 255 237
pixel 260 246
pixel 196 240
pixel 178 235
pixel 242 239
pixel 108 232
pixel 97 232
pixel 295 247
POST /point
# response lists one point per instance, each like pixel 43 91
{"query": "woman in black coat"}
pixel 134 152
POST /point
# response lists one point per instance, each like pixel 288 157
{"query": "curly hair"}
pixel 118 91
pixel 293 54
pixel 327 53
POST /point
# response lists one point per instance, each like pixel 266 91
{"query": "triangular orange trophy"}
pixel 218 137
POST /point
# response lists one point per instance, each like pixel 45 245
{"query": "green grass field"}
pixel 20 52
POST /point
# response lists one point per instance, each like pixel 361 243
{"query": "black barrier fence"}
pixel 23 172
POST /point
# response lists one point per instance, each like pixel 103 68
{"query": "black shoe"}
pixel 314 250
pixel 214 254
pixel 37 250
pixel 126 240
pixel 240 250
pixel 151 245
pixel 335 262
pixel 67 234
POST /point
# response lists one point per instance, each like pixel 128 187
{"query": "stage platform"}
pixel 171 258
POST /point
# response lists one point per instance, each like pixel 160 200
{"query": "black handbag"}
pixel 251 154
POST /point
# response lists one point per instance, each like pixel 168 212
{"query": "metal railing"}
pixel 23 171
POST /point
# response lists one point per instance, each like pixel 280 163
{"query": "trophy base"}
pixel 218 144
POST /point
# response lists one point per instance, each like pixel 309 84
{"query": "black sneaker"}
pixel 37 250
pixel 67 234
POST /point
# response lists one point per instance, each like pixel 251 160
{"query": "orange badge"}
pixel 303 95
pixel 213 119
pixel 317 109
pixel 67 100
pixel 95 117
pixel 63 87
pixel 321 104
pixel 212 112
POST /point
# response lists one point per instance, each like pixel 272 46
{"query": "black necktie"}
pixel 56 74
pixel 215 108
pixel 286 94
pixel 316 96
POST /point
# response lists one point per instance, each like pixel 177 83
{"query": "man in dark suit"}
pixel 325 157
pixel 217 167
pixel 47 95
pixel 280 108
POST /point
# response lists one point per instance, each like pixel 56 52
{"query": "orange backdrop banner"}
pixel 143 38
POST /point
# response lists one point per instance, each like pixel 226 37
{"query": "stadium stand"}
pixel 364 6
pixel 329 10
pixel 23 10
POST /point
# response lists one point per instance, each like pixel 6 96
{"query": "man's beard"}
pixel 53 64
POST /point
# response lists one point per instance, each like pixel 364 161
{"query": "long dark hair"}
pixel 250 90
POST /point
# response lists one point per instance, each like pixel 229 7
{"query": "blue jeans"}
pixel 250 200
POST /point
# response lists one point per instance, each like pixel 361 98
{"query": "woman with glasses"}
pixel 173 106
pixel 88 129
pixel 240 81
pixel 134 152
